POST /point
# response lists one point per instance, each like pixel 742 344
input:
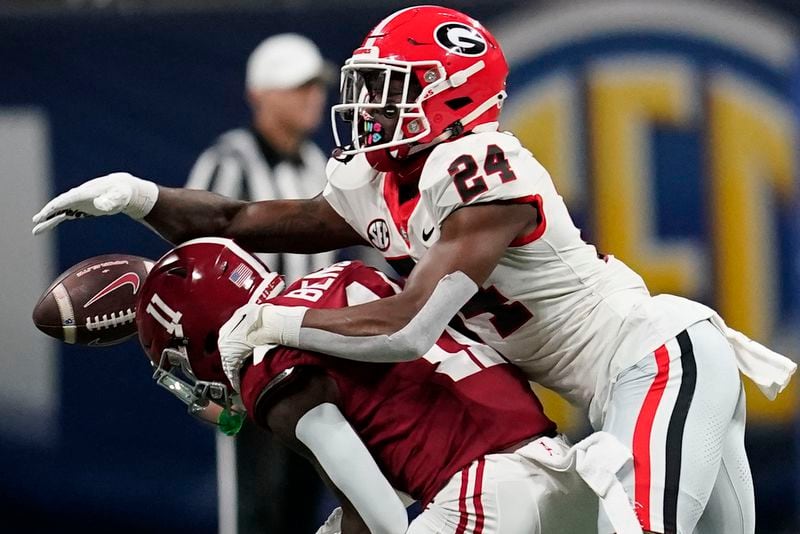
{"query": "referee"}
pixel 264 488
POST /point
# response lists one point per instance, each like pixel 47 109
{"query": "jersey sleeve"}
pixel 345 182
pixel 482 168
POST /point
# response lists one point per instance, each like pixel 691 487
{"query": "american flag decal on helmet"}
pixel 241 275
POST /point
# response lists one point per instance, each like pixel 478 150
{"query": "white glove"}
pixel 234 348
pixel 118 192
pixel 333 525
pixel 253 325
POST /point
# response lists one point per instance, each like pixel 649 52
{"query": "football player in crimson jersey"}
pixel 424 176
pixel 434 428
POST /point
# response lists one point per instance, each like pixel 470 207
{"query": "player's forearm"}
pixel 388 330
pixel 303 226
pixel 350 467
pixel 268 226
pixel 183 214
pixel 381 317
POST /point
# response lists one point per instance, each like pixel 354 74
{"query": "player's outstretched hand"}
pixel 113 193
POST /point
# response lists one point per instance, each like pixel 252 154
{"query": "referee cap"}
pixel 286 61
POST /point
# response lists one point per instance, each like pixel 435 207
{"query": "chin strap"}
pixel 455 129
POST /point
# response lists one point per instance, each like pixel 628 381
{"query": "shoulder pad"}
pixel 475 145
pixel 352 174
pixel 480 168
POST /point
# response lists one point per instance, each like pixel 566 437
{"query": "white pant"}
pixel 510 494
pixel 681 410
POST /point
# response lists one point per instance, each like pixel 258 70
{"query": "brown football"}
pixel 93 302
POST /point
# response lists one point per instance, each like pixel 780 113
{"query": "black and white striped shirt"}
pixel 242 165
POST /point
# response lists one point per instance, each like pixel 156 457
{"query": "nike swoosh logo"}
pixel 427 235
pixel 127 278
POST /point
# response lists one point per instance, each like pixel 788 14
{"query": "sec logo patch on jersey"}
pixel 378 232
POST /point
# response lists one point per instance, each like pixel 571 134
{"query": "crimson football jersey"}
pixel 422 421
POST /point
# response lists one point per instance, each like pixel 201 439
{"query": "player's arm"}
pixel 404 326
pixel 181 214
pixel 302 226
pixel 307 419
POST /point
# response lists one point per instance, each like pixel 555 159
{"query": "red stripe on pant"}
pixel 476 498
pixel 641 438
pixel 462 502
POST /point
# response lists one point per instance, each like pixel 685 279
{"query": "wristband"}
pixel 144 197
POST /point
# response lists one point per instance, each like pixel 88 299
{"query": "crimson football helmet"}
pixel 185 299
pixel 453 76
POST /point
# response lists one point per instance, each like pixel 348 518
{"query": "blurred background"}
pixel 670 129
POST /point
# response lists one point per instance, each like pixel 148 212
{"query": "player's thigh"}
pixel 529 497
pixel 564 504
pixel 731 507
pixel 515 496
pixel 474 499
pixel 673 409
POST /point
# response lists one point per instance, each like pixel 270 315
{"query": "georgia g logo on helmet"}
pixel 460 39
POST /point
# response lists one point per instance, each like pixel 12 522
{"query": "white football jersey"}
pixel 568 318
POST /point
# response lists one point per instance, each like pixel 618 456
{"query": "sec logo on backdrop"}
pixel 670 130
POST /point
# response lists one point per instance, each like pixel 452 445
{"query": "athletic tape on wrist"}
pixel 278 324
pixel 145 196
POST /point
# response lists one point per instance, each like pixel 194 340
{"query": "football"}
pixel 93 302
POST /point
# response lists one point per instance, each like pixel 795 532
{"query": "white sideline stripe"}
pixel 382 24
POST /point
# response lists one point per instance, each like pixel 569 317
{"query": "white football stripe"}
pixel 66 313
pixel 382 24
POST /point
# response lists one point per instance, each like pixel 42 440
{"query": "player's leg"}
pixel 674 409
pixel 263 486
pixel 508 494
pixel 731 507
pixel 449 513
pixel 469 501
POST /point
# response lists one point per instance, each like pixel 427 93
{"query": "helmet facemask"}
pixel 208 401
pixel 372 90
pixel 188 295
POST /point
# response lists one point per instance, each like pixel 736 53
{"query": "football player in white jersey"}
pixel 474 221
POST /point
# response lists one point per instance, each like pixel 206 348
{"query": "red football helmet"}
pixel 185 299
pixel 453 76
